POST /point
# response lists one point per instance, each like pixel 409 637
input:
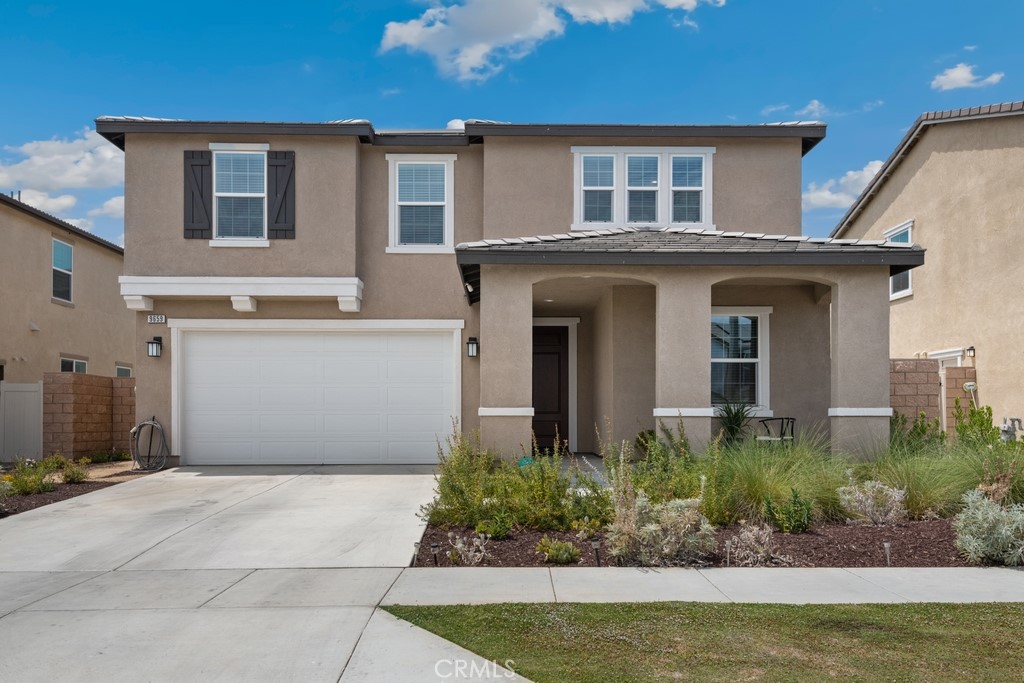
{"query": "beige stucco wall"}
pixel 528 182
pixel 97 327
pixel 961 185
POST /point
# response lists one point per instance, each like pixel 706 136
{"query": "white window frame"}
pixel 762 408
pixel 656 189
pixel 907 227
pixel 239 148
pixel 613 188
pixel 396 160
pixel 70 273
pixel 74 365
pixel 620 190
pixel 121 366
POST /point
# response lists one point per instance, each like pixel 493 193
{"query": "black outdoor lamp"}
pixel 434 548
pixel 472 347
pixel 154 346
pixel 970 352
pixel 596 544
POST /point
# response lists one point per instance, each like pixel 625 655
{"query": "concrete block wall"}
pixel 86 414
pixel 955 380
pixel 915 387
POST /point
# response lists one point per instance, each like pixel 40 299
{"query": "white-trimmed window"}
pixel 62 262
pixel 239 192
pixel 122 370
pixel 739 356
pixel 73 365
pixel 642 186
pixel 900 285
pixel 421 212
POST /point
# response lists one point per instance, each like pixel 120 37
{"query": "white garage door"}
pixel 315 397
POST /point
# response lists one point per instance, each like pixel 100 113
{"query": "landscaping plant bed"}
pixel 101 475
pixel 912 544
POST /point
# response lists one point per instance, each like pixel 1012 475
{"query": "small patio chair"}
pixel 778 429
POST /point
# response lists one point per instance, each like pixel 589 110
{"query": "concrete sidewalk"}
pixel 448 586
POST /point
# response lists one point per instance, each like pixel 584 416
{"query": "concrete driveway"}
pixel 212 574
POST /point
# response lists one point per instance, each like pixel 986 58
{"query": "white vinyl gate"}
pixel 21 421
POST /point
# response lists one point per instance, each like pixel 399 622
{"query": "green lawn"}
pixel 726 642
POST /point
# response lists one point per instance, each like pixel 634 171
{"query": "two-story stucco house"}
pixel 330 293
pixel 61 311
pixel 953 184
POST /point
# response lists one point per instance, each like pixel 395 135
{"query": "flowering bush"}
pixel 754 546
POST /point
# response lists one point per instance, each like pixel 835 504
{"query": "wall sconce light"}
pixel 154 347
pixel 472 347
pixel 970 352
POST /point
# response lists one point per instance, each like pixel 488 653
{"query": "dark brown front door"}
pixel 550 385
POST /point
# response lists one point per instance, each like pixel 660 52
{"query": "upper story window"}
pixel 421 213
pixel 900 285
pixel 739 356
pixel 240 195
pixel 642 186
pixel 62 264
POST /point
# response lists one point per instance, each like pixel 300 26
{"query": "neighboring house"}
pixel 954 185
pixel 61 311
pixel 330 293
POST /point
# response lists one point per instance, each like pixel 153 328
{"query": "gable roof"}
pixel 55 222
pixel 114 128
pixel 690 247
pixel 921 125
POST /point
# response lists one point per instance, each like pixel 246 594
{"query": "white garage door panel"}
pixel 329 397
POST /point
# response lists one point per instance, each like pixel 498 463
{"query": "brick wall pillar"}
pixel 86 414
pixel 954 389
pixel 915 387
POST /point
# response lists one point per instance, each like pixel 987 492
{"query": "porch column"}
pixel 506 360
pixel 860 407
pixel 682 387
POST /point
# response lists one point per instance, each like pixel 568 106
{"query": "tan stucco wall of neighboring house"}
pixel 96 327
pixel 961 185
pixel 756 182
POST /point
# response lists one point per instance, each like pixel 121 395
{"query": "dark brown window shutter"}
pixel 281 195
pixel 199 195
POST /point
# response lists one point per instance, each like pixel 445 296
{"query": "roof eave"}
pixel 55 222
pixel 114 129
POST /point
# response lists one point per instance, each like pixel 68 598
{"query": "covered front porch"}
pixel 601 340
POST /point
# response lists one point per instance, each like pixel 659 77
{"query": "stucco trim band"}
pixel 505 412
pixel 684 412
pixel 860 412
pixel 138 289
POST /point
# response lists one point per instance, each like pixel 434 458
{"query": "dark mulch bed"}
pixel 914 544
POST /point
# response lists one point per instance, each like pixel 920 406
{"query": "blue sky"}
pixel 866 67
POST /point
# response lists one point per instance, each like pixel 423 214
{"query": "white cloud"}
pixel 81 223
pixel 390 92
pixel 970 48
pixel 44 202
pixel 773 108
pixel 84 161
pixel 113 207
pixel 473 41
pixel 963 76
pixel 816 109
pixel 841 193
pixel 688 22
pixel 872 105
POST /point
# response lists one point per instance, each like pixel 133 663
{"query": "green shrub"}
pixel 463 471
pixel 987 532
pixel 790 517
pixel 734 418
pixel 922 433
pixel 754 546
pixel 975 427
pixel 934 478
pixel 558 552
pixel 467 551
pixel 498 527
pixel 472 488
pixel 29 476
pixel 75 472
pixel 586 528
